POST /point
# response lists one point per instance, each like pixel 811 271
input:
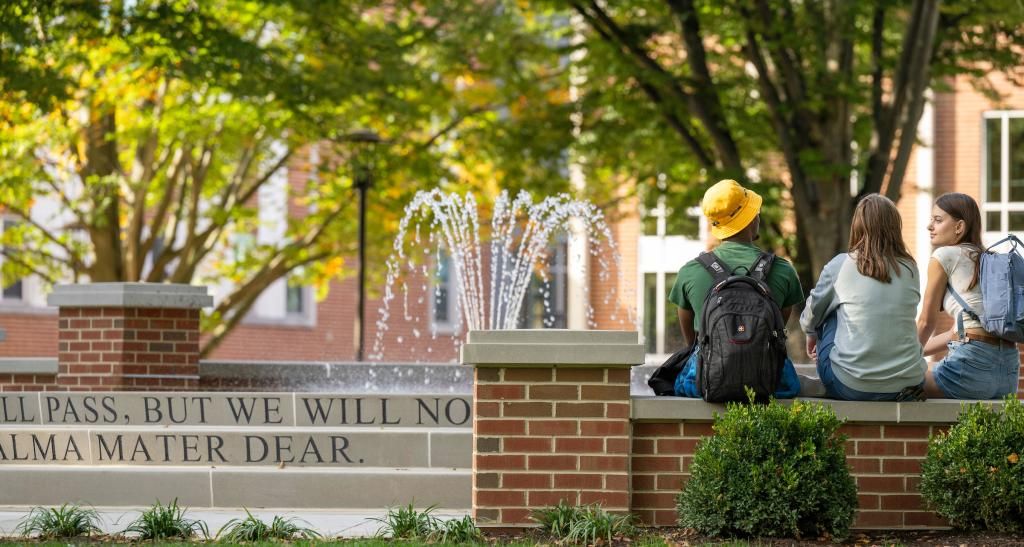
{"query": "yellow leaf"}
pixel 1013 458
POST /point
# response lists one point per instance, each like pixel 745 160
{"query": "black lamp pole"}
pixel 362 179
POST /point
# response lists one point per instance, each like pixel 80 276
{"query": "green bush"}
pixel 771 471
pixel 66 521
pixel 973 474
pixel 166 521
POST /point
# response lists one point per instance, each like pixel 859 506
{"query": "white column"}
pixel 577 262
pixel 925 175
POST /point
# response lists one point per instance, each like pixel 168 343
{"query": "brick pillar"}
pixel 128 336
pixel 551 415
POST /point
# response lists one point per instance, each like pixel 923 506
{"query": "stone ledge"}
pixel 28 365
pixel 125 486
pixel 553 347
pixel 649 408
pixel 130 295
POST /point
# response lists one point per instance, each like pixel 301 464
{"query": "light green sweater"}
pixel 876 348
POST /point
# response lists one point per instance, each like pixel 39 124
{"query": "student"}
pixel 859 318
pixel 979 365
pixel 734 215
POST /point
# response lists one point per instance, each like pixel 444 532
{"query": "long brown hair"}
pixel 963 207
pixel 876 236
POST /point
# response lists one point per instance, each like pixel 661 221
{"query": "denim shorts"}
pixel 978 370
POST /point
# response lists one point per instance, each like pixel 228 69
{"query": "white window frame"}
pixel 1004 206
pixel 450 326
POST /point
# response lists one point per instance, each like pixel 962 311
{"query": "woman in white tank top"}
pixel 978 365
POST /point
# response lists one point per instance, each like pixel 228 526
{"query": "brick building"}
pixel 968 144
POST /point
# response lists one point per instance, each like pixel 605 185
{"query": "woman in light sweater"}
pixel 859 319
pixel 979 365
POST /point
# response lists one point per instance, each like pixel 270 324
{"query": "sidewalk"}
pixel 341 523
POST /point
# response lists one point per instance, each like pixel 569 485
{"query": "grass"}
pixel 252 529
pixel 166 521
pixel 66 521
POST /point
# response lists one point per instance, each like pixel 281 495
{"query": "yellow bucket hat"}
pixel 729 208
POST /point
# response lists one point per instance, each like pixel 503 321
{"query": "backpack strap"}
pixel 717 270
pixel 965 309
pixel 1011 238
pixel 760 268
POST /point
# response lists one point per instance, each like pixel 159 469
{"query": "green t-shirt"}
pixel 693 282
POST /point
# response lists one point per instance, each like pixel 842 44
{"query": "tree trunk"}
pixel 101 169
pixel 824 229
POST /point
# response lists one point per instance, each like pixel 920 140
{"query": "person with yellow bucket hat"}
pixel 734 215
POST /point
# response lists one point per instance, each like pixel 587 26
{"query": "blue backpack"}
pixel 1002 293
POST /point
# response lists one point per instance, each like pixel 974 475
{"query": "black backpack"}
pixel 663 380
pixel 742 334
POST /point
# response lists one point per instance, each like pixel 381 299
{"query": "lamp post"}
pixel 362 180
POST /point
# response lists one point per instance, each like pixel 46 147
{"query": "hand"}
pixel 812 347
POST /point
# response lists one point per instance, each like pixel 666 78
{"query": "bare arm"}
pixel 934 291
pixel 686 325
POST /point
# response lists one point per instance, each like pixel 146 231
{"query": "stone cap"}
pixel 649 408
pixel 552 347
pixel 130 295
pixel 28 365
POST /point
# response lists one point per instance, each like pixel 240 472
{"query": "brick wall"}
pixel 29 382
pixel 545 435
pixel 28 334
pixel 885 460
pixel 128 348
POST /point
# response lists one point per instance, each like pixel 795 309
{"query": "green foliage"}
pixel 137 140
pixel 253 529
pixel 66 521
pixel 457 531
pixel 166 521
pixel 587 524
pixel 407 523
pixel 773 471
pixel 973 474
pixel 556 520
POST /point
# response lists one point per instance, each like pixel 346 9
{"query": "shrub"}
pixel 587 524
pixel 407 523
pixel 253 529
pixel 772 471
pixel 166 521
pixel 973 474
pixel 66 521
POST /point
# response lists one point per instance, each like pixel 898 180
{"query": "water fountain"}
pixel 493 268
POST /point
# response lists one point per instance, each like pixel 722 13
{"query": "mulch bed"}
pixel 688 538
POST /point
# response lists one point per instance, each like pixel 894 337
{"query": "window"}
pixel 661 256
pixel 546 301
pixel 1003 173
pixel 444 312
pixel 671 337
pixel 295 300
pixel 13 292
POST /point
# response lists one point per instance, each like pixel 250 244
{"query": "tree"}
pixel 826 90
pixel 139 140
